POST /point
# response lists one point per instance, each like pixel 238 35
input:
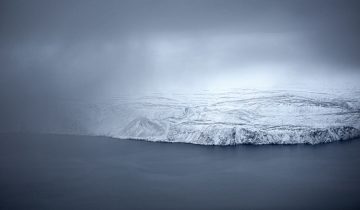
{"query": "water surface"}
pixel 81 172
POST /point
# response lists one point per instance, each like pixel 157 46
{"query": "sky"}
pixel 86 48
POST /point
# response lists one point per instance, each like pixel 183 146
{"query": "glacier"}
pixel 241 116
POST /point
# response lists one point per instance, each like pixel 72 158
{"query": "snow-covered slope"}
pixel 223 118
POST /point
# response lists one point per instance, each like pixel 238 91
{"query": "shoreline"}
pixel 181 143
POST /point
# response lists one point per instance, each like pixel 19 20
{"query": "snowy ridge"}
pixel 224 118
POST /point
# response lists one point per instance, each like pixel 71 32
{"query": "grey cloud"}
pixel 69 49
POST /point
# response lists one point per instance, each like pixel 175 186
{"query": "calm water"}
pixel 72 172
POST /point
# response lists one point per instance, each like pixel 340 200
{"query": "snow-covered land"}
pixel 243 116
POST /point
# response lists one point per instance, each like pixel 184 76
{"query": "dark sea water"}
pixel 81 172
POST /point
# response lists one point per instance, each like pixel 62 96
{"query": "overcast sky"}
pixel 96 48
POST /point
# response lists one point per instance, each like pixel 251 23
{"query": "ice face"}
pixel 223 118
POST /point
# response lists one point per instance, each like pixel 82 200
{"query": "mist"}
pixel 51 50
